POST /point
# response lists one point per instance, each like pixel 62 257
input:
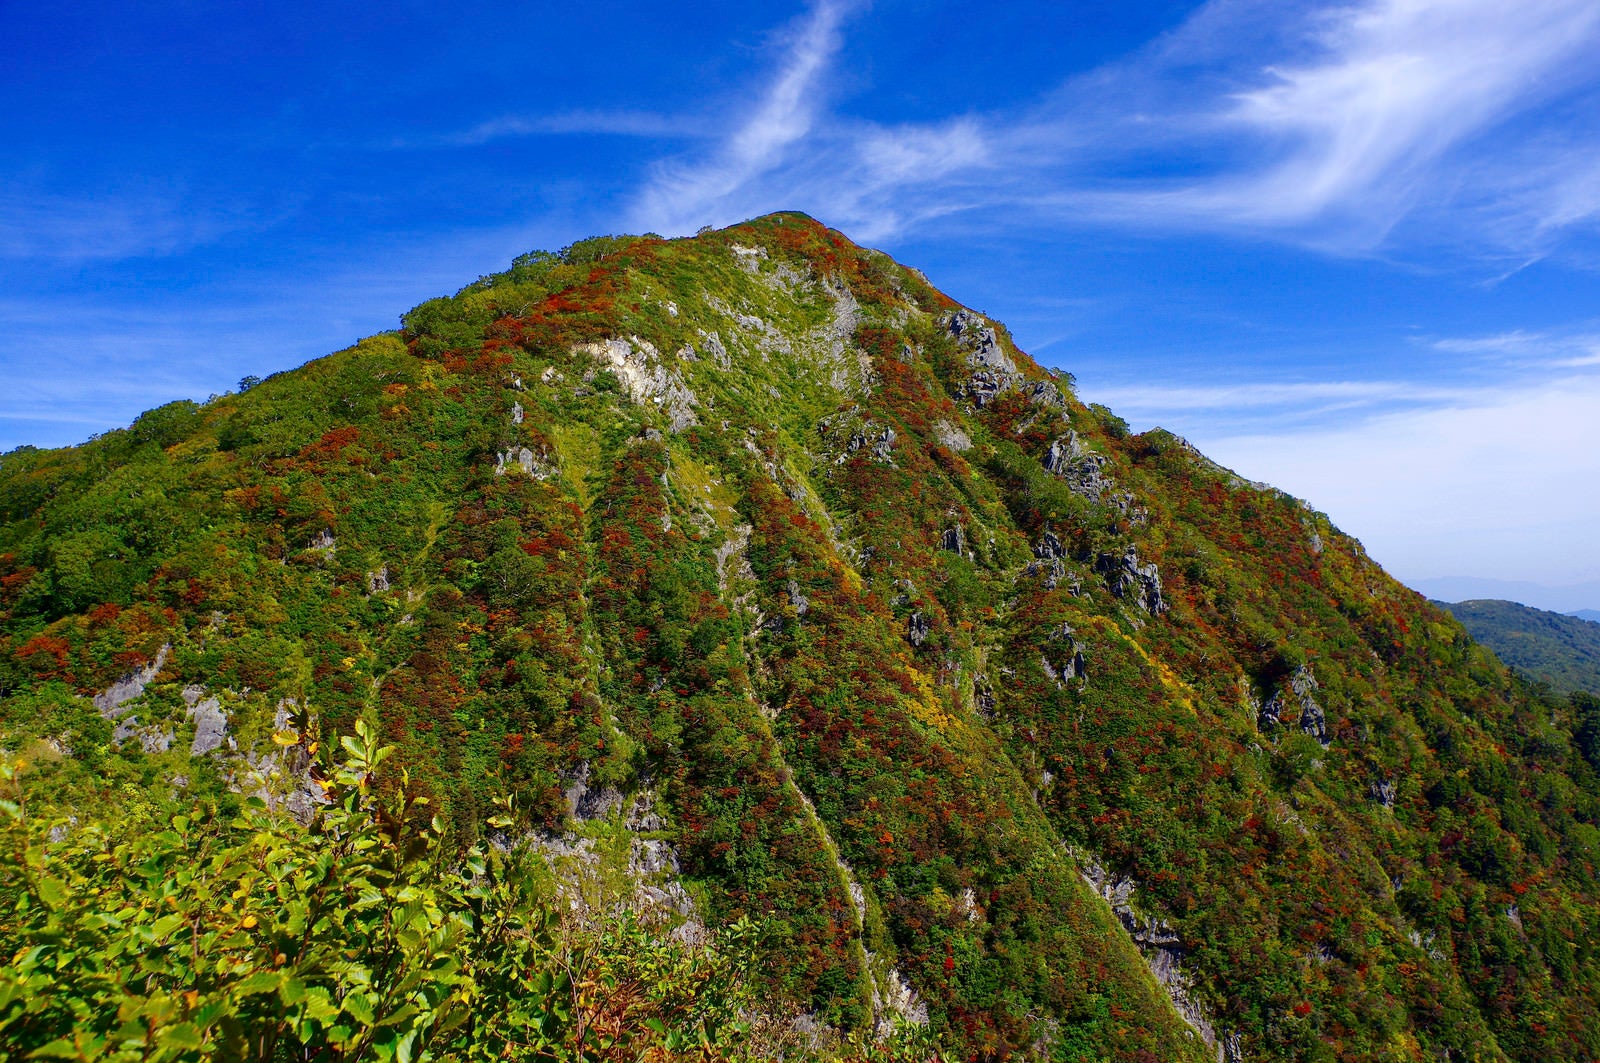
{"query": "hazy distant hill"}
pixel 1567 598
pixel 1588 614
pixel 1562 650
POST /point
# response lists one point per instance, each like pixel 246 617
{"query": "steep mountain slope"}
pixel 1562 650
pixel 987 710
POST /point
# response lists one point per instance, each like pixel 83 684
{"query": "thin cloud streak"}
pixel 685 196
pixel 1507 463
pixel 1553 350
pixel 644 124
pixel 1378 124
pixel 71 230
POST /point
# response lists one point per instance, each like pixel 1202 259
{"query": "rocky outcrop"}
pixel 983 697
pixel 1050 564
pixel 638 365
pixel 879 444
pixel 847 433
pixel 540 466
pixel 1162 949
pixel 210 722
pixel 284 775
pixel 1062 658
pixel 1081 469
pixel 110 701
pixel 1296 699
pixel 951 436
pixel 797 600
pixel 1131 581
pixel 918 630
pixel 993 370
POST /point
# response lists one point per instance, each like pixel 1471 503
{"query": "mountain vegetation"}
pixel 770 659
pixel 1558 649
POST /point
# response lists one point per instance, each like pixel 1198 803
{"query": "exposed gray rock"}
pixel 748 258
pixel 130 686
pixel 323 541
pixel 638 365
pixel 918 629
pixel 1050 571
pixel 1269 717
pixel 983 699
pixel 1382 791
pixel 954 540
pixel 1163 951
pixel 585 802
pixel 879 444
pixel 210 722
pixel 1298 699
pixel 848 433
pixel 1062 656
pixel 951 436
pixel 517 413
pixel 893 1000
pixel 540 466
pixel 1049 546
pixel 1128 579
pixel 993 370
pixel 1313 721
pixel 1082 469
pixel 282 776
pixel 155 739
pixel 61 831
pixel 714 347
pixel 378 581
pixel 1044 393
pixel 799 601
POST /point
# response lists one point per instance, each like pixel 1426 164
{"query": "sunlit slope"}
pixel 990 710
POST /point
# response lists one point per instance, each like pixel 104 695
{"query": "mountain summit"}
pixel 847 618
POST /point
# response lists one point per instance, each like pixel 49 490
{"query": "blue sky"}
pixel 1352 249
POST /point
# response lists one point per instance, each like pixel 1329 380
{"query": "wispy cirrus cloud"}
pixel 1568 349
pixel 619 123
pixel 1350 127
pixel 56 228
pixel 686 194
pixel 1356 128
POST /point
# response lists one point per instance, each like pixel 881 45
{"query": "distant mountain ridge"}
pixel 1560 649
pixel 1567 598
pixel 783 591
pixel 1592 615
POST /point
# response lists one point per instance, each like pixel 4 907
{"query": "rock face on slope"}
pixel 1065 741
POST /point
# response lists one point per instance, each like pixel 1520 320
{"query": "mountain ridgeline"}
pixel 760 552
pixel 1560 649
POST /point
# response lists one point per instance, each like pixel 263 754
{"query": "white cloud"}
pixel 1398 84
pixel 1328 125
pixel 685 196
pixel 65 229
pixel 1502 484
pixel 1570 349
pixel 566 123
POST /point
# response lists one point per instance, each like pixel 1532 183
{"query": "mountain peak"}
pixel 759 564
